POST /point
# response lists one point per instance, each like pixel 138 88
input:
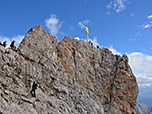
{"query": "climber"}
pixel 12 45
pixel 89 42
pixel 34 87
pixel 1 43
pixel 4 43
pixel 98 46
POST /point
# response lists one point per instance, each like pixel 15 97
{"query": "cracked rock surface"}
pixel 73 78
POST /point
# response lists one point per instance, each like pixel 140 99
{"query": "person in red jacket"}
pixel 89 42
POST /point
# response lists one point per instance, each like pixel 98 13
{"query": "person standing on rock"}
pixel 4 43
pixel 34 87
pixel 98 46
pixel 12 45
pixel 89 42
pixel 1 44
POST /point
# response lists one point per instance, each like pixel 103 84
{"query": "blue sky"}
pixel 123 26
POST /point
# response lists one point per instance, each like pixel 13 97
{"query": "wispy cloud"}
pixel 149 17
pixel 114 51
pixel 117 5
pixel 132 14
pixel 148 23
pixel 144 85
pixel 17 38
pixel 132 39
pixel 147 26
pixel 53 24
pixel 83 24
pixel 109 6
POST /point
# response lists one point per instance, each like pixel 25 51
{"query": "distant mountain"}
pixel 146 100
pixel 145 96
pixel 141 108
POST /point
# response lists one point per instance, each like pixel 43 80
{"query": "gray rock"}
pixel 73 78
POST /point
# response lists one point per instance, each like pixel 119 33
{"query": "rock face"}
pixel 73 78
pixel 143 109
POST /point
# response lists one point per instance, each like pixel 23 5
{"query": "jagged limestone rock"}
pixel 73 78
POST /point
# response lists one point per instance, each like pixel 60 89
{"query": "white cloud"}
pixel 83 24
pixel 117 5
pixel 114 51
pixel 148 23
pixel 77 38
pixel 146 26
pixel 142 67
pixel 144 85
pixel 17 38
pixel 141 62
pixel 149 17
pixel 53 24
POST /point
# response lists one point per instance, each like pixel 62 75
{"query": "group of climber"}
pixel 12 44
pixel 92 44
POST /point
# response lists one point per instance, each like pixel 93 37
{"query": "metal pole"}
pixel 87 37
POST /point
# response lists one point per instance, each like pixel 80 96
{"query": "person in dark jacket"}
pixel 34 87
pixel 1 44
pixel 12 45
pixel 98 46
pixel 4 43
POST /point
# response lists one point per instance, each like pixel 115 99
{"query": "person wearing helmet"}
pixel 12 45
pixel 4 43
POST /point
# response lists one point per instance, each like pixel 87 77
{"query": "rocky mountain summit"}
pixel 73 78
